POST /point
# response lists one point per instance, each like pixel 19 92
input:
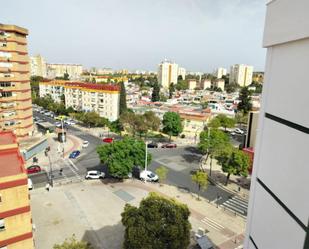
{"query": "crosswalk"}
pixel 213 224
pixel 236 204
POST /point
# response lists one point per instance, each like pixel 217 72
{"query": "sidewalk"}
pixel 237 184
pixel 72 143
pixel 223 228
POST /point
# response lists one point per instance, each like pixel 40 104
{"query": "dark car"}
pixel 170 145
pixel 74 154
pixel 108 140
pixel 33 169
pixel 152 145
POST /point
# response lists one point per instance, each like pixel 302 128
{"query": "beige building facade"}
pixel 58 70
pixel 241 74
pixel 15 92
pixel 38 66
pixel 167 73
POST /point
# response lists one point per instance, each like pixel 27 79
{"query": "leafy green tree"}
pixel 116 126
pixel 163 97
pixel 233 162
pixel 91 118
pixel 172 124
pixel 66 76
pixel 245 104
pixel 155 93
pixel 158 222
pixel 225 121
pixel 152 120
pixel 73 243
pixel 171 90
pixel 214 123
pixel 121 156
pixel 162 173
pixel 182 85
pixel 123 99
pixel 212 142
pixel 231 87
pixel 201 179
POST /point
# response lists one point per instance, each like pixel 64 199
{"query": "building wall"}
pixel 219 72
pixel 252 129
pixel 38 66
pixel 167 74
pixel 279 207
pixel 241 74
pixel 58 70
pixel 192 84
pixel 15 99
pixel 182 72
pixel 206 84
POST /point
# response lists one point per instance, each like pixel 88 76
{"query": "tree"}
pixel 231 87
pixel 121 156
pixel 66 76
pixel 212 142
pixel 157 223
pixel 182 85
pixel 172 124
pixel 245 104
pixel 91 118
pixel 233 162
pixel 171 90
pixel 155 92
pixel 123 99
pixel 72 243
pixel 161 172
pixel 201 179
pixel 204 105
pixel 163 97
pixel 225 121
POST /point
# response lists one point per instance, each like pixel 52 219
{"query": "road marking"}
pixel 212 223
pixel 73 165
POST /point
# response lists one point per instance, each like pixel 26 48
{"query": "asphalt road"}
pixel 181 163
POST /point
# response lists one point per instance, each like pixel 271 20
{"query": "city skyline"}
pixel 139 35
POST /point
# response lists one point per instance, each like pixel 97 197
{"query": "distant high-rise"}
pixel 58 70
pixel 15 92
pixel 219 72
pixel 241 74
pixel 278 216
pixel 167 73
pixel 182 72
pixel 38 66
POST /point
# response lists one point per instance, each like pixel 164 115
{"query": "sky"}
pixel 199 35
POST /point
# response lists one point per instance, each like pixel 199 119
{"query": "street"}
pixel 181 163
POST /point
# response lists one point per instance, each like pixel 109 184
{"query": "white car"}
pixel 147 175
pixel 69 122
pixel 94 174
pixel 85 144
pixel 239 131
pixel 30 184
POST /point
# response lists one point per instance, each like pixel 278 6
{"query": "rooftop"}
pixel 13 28
pixel 106 87
pixel 7 137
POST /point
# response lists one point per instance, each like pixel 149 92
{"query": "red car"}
pixel 169 146
pixel 108 140
pixel 33 169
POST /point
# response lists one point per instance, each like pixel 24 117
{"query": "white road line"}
pixel 73 168
pixel 73 165
pixel 212 224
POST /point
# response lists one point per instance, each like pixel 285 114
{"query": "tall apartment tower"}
pixel 15 92
pixel 38 66
pixel 279 202
pixel 241 74
pixel 15 214
pixel 167 73
pixel 219 72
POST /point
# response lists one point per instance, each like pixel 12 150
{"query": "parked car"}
pixel 152 145
pixel 149 176
pixel 69 122
pixel 94 174
pixel 30 184
pixel 239 131
pixel 169 145
pixel 85 144
pixel 42 111
pixel 74 154
pixel 58 124
pixel 33 169
pixel 108 140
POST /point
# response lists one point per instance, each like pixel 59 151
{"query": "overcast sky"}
pixel 200 35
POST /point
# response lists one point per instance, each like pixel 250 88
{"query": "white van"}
pixel 30 184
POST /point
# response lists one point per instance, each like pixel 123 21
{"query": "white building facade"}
pixel 167 73
pixel 58 70
pixel 219 72
pixel 38 66
pixel 55 89
pixel 182 72
pixel 279 205
pixel 241 74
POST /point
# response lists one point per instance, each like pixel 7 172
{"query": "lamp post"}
pixel 208 135
pixel 146 150
pixel 62 137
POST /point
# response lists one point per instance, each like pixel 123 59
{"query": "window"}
pixel 2 225
pixel 6 94
pixel 5 84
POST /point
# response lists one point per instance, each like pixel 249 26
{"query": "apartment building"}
pixel 167 73
pixel 279 208
pixel 206 83
pixel 15 92
pixel 241 74
pixel 182 72
pixel 219 83
pixel 101 98
pixel 15 214
pixel 38 66
pixel 58 70
pixel 53 88
pixel 219 72
pixel 192 84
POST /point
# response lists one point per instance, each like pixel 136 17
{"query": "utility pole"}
pixel 208 135
pixel 62 137
pixel 146 155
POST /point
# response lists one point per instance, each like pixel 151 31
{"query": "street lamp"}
pixel 208 135
pixel 146 150
pixel 62 137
